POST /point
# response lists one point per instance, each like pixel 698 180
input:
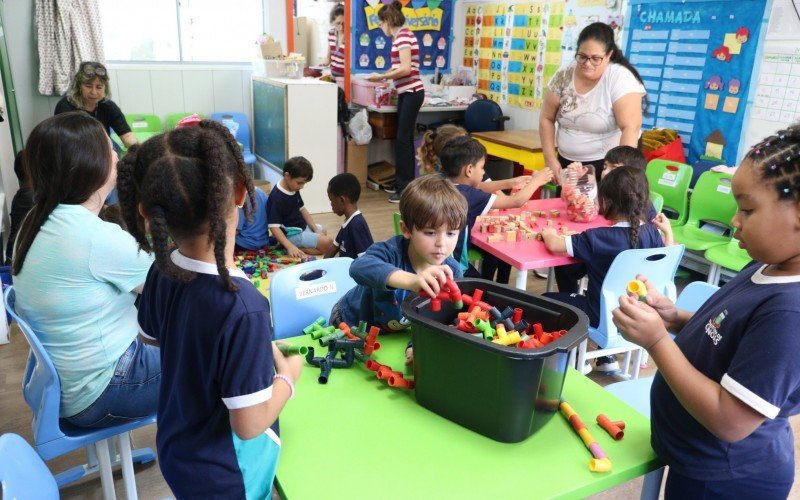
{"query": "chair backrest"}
pixel 302 293
pixel 396 220
pixel 22 473
pixel 172 120
pixel 242 133
pixel 712 200
pixel 658 264
pixel 144 123
pixel 657 200
pixel 671 180
pixel 694 295
pixel 41 386
pixel 483 115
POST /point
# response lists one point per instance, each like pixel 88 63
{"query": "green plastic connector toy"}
pixel 321 332
pixel 289 350
pixel 485 328
pixel 337 334
pixel 318 323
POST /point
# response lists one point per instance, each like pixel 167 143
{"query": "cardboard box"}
pixel 356 160
pixel 270 50
pixel 381 173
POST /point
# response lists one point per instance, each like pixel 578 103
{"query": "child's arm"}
pixel 310 220
pixel 332 251
pixel 554 241
pixel 504 184
pixel 430 280
pixel 662 223
pixel 290 247
pixel 516 200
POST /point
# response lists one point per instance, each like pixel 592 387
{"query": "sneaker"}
pixel 394 198
pixel 606 364
pixel 541 272
pixel 391 189
pixel 587 368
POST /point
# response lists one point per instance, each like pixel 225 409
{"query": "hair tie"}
pixel 773 167
pixel 157 211
pixel 757 151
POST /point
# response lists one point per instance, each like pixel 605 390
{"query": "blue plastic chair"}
pixel 242 133
pixel 22 473
pixel 300 294
pixel 659 264
pixel 53 437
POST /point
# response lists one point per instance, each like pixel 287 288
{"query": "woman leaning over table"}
pixel 410 91
pixel 597 101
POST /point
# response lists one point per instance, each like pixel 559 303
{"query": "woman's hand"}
pixel 542 177
pixel 638 322
pixel 375 77
pixel 555 166
pixel 291 366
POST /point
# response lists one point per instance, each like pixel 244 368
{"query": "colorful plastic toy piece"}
pixel 613 430
pixel 600 462
pixel 290 350
pixel 400 382
pixel 325 340
pixel 638 288
pixel 319 322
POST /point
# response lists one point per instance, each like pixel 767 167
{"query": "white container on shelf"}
pixel 278 68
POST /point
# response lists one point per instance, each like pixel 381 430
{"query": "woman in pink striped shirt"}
pixel 410 92
pixel 336 41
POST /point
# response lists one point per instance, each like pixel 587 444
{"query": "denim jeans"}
pixel 132 392
pixel 408 104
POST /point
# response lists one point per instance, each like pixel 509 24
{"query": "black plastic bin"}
pixel 502 392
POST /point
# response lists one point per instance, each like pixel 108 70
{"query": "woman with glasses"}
pixel 597 102
pixel 89 92
pixel 336 41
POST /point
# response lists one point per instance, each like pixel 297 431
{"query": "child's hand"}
pixel 576 170
pixel 520 181
pixel 409 355
pixel 542 177
pixel 431 279
pixel 291 366
pixel 663 306
pixel 638 322
pixel 662 222
pixel 549 231
pixel 295 252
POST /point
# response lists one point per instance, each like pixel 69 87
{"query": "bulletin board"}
pixel 516 48
pixel 696 59
pixel 430 20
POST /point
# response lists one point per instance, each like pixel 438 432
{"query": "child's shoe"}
pixel 606 364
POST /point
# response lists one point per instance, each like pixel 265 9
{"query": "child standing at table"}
pixel 727 384
pixel 220 399
pixel 433 215
pixel 462 160
pixel 354 237
pixel 289 221
pixel 624 200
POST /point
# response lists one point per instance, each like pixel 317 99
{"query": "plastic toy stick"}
pixel 385 372
pixel 455 294
pixel 638 288
pixel 501 331
pixel 321 332
pixel 324 341
pixel 512 338
pixel 619 423
pixel 400 382
pixel 521 325
pixel 517 317
pixel 495 313
pixel 508 324
pixel 485 328
pixel 326 366
pixel 538 330
pixel 291 350
pixel 531 343
pixel 612 430
pixel 370 343
pixel 600 462
pixel 319 322
pixel 373 365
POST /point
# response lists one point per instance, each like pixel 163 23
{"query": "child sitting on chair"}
pixel 354 237
pixel 289 221
pixel 432 214
pixel 253 234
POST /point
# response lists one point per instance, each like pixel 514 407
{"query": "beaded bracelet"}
pixel 289 382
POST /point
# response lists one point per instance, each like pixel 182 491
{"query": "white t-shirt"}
pixel 587 128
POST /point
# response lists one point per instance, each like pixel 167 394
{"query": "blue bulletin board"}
pixel 696 59
pixel 430 20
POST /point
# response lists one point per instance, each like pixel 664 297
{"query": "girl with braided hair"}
pixel 76 277
pixel 625 200
pixel 727 384
pixel 219 403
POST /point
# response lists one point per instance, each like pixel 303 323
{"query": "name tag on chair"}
pixel 307 291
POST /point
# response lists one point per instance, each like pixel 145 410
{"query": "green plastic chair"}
pixel 671 180
pixel 397 230
pixel 729 256
pixel 657 200
pixel 712 201
pixel 172 120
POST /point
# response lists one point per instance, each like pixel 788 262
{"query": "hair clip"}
pixel 787 190
pixel 757 151
pixel 773 166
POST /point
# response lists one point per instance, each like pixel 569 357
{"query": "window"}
pixel 184 30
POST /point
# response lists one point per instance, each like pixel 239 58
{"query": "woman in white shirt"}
pixel 597 101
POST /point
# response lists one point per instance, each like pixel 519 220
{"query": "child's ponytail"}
pixel 625 195
pixel 159 233
pixel 426 155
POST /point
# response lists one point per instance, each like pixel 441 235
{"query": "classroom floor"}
pixel 15 415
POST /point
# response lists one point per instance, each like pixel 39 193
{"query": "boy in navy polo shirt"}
pixel 462 161
pixel 253 235
pixel 289 221
pixel 354 237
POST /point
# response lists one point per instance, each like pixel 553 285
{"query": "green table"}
pixel 358 438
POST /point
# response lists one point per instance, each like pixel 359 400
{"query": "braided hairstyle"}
pixel 625 195
pixel 777 160
pixel 432 143
pixel 185 180
pixel 68 159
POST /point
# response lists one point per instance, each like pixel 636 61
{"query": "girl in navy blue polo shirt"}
pixel 729 381
pixel 220 397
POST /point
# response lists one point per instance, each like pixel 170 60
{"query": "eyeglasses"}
pixel 93 69
pixel 594 60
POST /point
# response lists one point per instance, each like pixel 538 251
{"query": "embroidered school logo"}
pixel 713 326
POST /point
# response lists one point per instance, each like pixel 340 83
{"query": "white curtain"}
pixel 68 33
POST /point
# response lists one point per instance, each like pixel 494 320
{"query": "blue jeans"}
pixel 132 393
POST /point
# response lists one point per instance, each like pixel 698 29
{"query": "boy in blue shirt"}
pixel 354 237
pixel 289 221
pixel 463 159
pixel 253 235
pixel 433 215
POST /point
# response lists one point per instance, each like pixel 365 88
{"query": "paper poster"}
pixel 778 92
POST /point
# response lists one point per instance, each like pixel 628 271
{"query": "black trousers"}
pixel 408 104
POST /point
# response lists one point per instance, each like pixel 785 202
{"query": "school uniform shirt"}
pixel 478 203
pixel 598 247
pixel 337 53
pixel 216 356
pixel 745 338
pixel 107 112
pixel 76 292
pixel 253 235
pixel 405 39
pixel 354 237
pixel 372 300
pixel 284 210
pixel 587 127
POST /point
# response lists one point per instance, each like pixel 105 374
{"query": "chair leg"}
pixel 573 354
pixel 582 355
pixel 126 459
pixel 106 477
pixel 637 361
pixel 651 486
pixel 626 363
pixel 713 275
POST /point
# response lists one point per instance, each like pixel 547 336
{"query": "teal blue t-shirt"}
pixel 76 292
